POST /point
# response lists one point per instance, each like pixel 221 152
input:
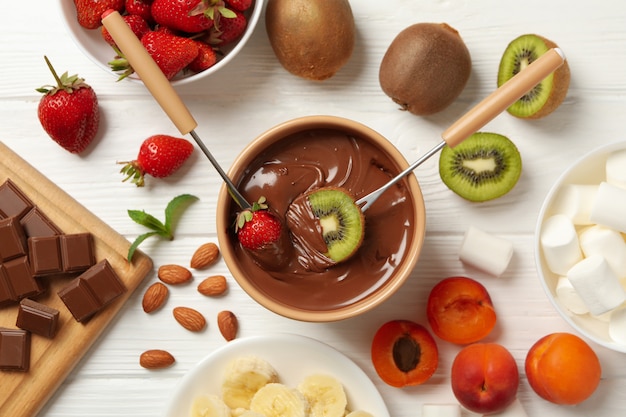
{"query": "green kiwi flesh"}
pixel 483 167
pixel 341 220
pixel 546 96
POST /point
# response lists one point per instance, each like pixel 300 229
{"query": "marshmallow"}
pixel 515 409
pixel 617 326
pixel 486 252
pixel 559 244
pixel 441 410
pixel 568 296
pixel 607 242
pixel 597 284
pixel 575 201
pixel 609 207
pixel 616 168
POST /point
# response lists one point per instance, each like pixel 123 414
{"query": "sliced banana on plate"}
pixel 325 395
pixel 243 377
pixel 209 406
pixel 279 400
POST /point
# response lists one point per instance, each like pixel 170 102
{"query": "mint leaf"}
pixel 158 228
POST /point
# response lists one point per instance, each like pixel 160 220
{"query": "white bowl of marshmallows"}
pixel 581 246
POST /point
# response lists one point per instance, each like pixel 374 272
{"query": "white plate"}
pixel 293 357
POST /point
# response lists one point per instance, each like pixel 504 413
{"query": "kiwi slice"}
pixel 341 220
pixel 546 96
pixel 483 167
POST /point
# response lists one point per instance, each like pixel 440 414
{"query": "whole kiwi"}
pixel 312 39
pixel 425 68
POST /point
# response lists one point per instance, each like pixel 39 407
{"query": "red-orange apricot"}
pixel 460 310
pixel 562 368
pixel 404 353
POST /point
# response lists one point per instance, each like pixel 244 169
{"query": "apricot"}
pixel 484 378
pixel 404 353
pixel 563 369
pixel 459 310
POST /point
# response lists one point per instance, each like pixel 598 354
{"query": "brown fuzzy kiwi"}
pixel 312 39
pixel 538 102
pixel 425 68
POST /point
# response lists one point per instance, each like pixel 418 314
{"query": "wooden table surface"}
pixel 256 93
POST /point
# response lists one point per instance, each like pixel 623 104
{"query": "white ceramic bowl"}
pixel 587 170
pixel 91 44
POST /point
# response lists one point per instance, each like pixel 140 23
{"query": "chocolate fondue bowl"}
pixel 308 153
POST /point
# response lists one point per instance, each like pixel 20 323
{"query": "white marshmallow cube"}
pixel 569 297
pixel 597 284
pixel 441 410
pixel 575 201
pixel 486 252
pixel 600 240
pixel 617 326
pixel 616 168
pixel 609 207
pixel 515 409
pixel 559 244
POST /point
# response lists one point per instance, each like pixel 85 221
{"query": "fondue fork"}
pixel 491 106
pixel 162 90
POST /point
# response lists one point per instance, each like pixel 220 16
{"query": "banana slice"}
pixel 359 413
pixel 244 376
pixel 209 406
pixel 278 400
pixel 325 394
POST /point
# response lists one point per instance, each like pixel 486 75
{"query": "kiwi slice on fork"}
pixel 546 96
pixel 483 167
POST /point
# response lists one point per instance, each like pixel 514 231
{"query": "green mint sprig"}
pixel 158 228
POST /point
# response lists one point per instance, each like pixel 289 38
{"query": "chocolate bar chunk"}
pixel 45 255
pixel 37 224
pixel 77 252
pixel 13 202
pixel 37 318
pixel 20 278
pixel 12 239
pixel 92 290
pixel 14 350
pixel 6 292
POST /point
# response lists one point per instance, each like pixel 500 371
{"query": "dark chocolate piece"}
pixel 6 292
pixel 92 290
pixel 79 300
pixel 37 318
pixel 20 278
pixel 77 252
pixel 37 224
pixel 45 255
pixel 12 239
pixel 13 202
pixel 14 350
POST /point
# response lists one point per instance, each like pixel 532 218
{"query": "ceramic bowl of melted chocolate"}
pixel 300 156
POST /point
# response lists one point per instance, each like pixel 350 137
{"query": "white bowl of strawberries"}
pixel 189 40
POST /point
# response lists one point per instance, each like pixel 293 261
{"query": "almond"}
pixel 156 359
pixel 173 274
pixel 154 297
pixel 204 256
pixel 189 318
pixel 213 286
pixel 228 324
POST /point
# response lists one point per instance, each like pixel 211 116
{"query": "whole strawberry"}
pixel 240 5
pixel 188 16
pixel 206 58
pixel 137 24
pixel 141 8
pixel 68 111
pixel 159 156
pixel 228 29
pixel 171 53
pixel 89 12
pixel 257 227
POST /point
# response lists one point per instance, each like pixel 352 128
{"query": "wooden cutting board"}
pixel 24 394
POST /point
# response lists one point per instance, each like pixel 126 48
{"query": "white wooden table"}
pixel 254 94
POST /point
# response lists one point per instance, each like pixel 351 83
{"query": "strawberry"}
pixel 141 8
pixel 185 15
pixel 257 227
pixel 137 24
pixel 69 111
pixel 89 12
pixel 159 156
pixel 240 5
pixel 171 53
pixel 206 58
pixel 228 29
